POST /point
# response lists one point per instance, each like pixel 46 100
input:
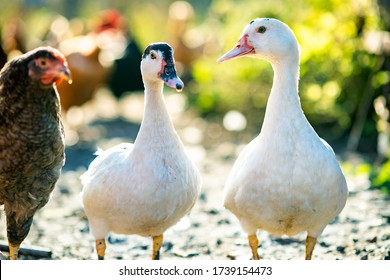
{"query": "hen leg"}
pixel 157 242
pixel 254 243
pixel 17 230
pixel 100 248
pixel 310 243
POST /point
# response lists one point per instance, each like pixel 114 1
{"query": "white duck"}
pixel 287 180
pixel 147 187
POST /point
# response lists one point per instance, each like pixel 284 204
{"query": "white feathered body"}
pixel 287 180
pixel 143 188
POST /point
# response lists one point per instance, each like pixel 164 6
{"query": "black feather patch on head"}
pixel 252 21
pixel 164 48
pixel 46 52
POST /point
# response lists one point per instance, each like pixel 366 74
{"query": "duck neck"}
pixel 156 124
pixel 283 106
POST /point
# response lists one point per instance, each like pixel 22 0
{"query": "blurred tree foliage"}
pixel 336 68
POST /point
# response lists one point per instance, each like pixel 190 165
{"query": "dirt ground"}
pixel 360 232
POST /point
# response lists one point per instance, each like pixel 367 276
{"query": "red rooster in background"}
pixel 107 55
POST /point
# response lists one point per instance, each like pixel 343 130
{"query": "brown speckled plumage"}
pixel 31 140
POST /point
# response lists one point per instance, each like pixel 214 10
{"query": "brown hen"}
pixel 31 137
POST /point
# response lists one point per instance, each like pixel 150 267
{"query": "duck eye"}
pixel 152 55
pixel 262 29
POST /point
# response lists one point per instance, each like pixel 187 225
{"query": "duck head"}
pixel 265 38
pixel 158 64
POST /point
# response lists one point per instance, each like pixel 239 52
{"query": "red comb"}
pixel 59 56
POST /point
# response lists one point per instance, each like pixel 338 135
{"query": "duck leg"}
pixel 13 251
pixel 157 242
pixel 254 243
pixel 310 243
pixel 100 248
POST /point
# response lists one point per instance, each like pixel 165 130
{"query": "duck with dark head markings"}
pixel 287 180
pixel 167 72
pixel 146 187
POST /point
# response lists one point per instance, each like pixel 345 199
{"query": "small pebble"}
pixel 203 197
pixel 357 252
pixel 213 212
pixel 224 222
pixel 167 246
pixel 341 249
pixel 373 240
pixel 324 244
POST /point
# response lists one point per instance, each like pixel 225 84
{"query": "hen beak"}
pixel 64 75
pixel 242 48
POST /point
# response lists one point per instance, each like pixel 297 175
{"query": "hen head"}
pixel 48 66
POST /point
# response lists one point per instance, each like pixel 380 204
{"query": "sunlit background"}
pixel 345 46
pixel 344 74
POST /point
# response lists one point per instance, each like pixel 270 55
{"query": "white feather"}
pixel 287 180
pixel 147 187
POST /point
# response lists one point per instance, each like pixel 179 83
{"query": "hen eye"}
pixel 262 29
pixel 42 62
pixel 152 55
